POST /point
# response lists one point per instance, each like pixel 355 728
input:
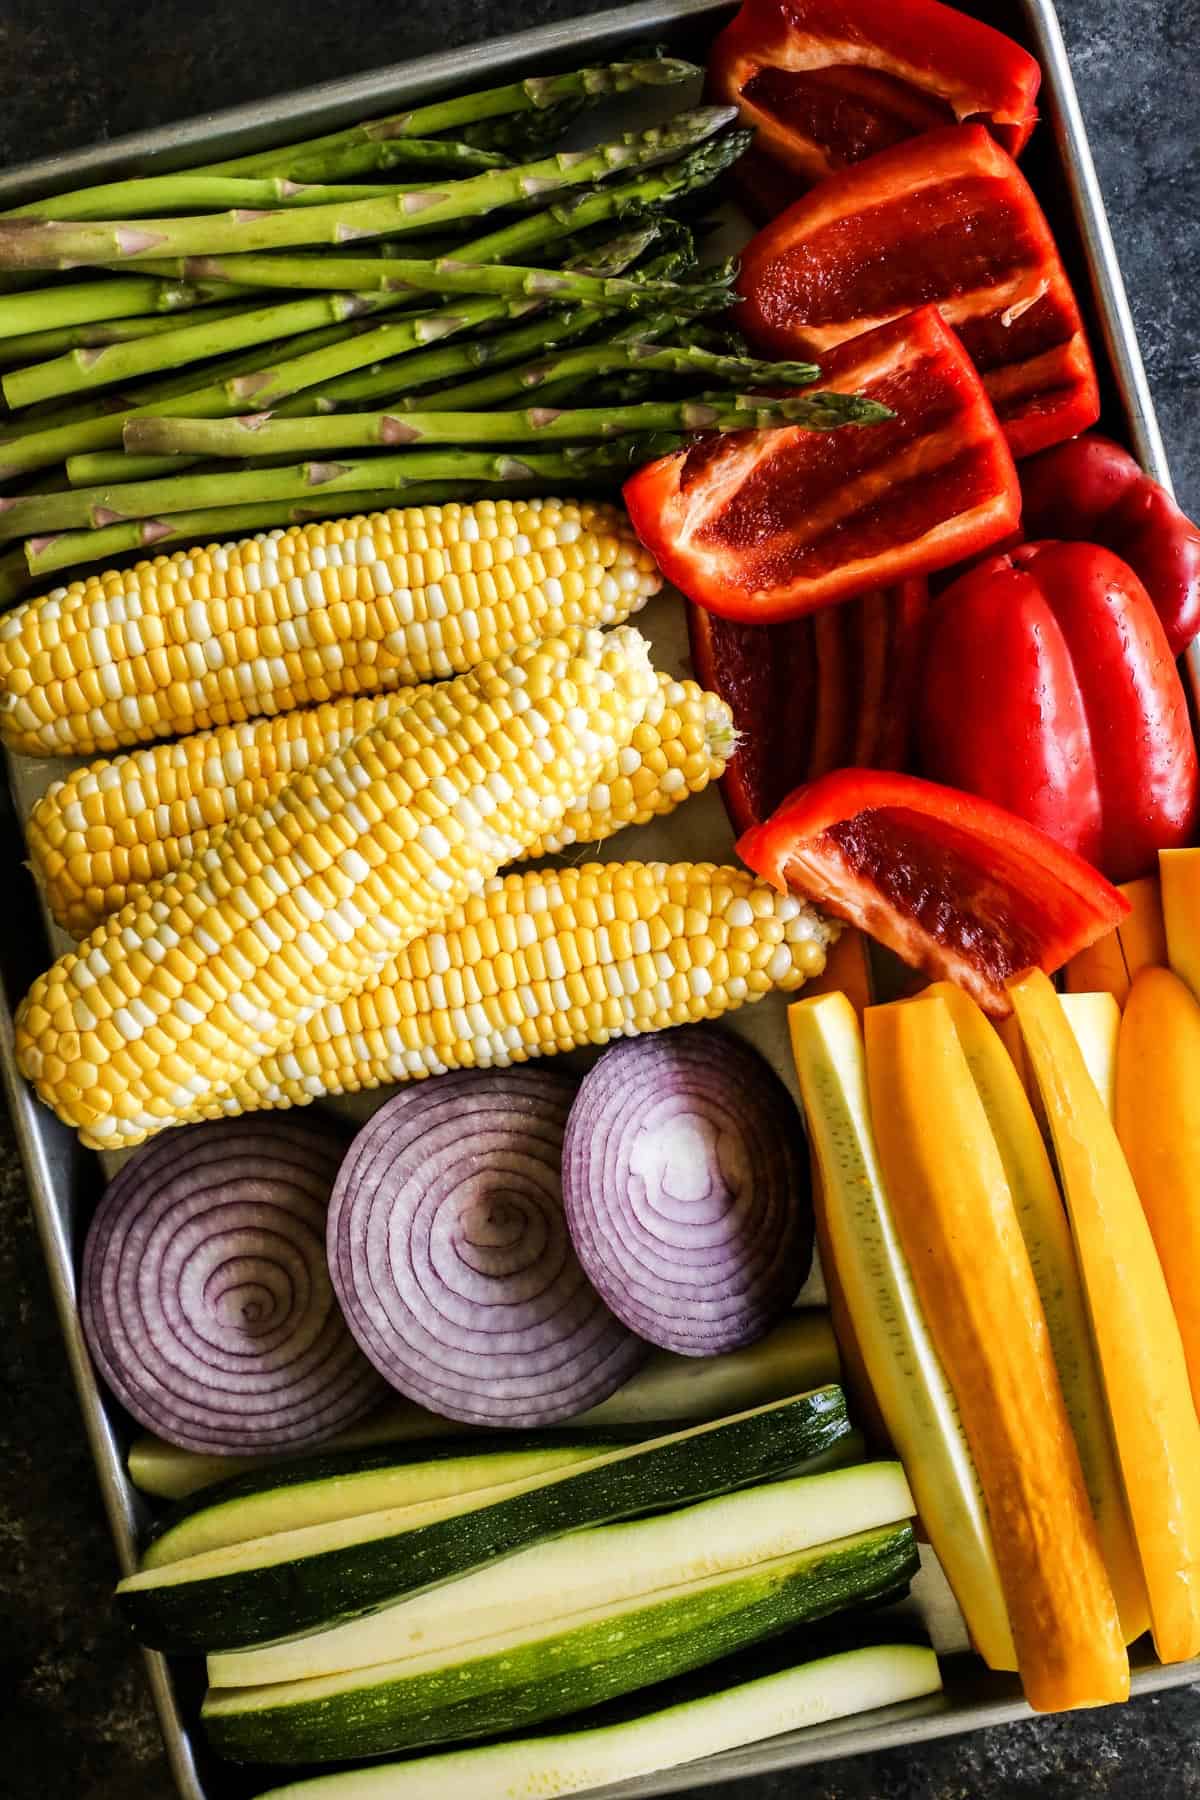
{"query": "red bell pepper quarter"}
pixel 945 219
pixel 826 83
pixel 834 687
pixel 953 884
pixel 766 525
pixel 1093 490
pixel 1049 688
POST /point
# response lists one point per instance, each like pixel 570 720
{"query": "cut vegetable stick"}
pixel 1009 1033
pixel 1095 1021
pixel 1158 1068
pixel 847 971
pixel 959 1228
pixel 906 1376
pixel 1100 969
pixel 1137 1338
pixel 1179 881
pixel 1047 1236
pixel 1142 933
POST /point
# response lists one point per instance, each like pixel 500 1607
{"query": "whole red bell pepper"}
pixel 954 884
pixel 1049 687
pixel 766 525
pixel 948 219
pixel 826 83
pixel 1093 490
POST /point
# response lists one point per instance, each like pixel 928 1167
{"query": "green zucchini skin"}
pixel 570 1670
pixel 249 1606
pixel 340 1465
pixel 811 1678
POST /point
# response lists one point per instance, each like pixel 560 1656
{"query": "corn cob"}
pixel 107 830
pixel 549 961
pixel 209 637
pixel 200 976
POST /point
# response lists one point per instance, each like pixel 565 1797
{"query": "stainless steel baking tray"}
pixel 64 1180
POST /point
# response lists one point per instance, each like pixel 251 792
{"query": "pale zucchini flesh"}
pixel 837 1686
pixel 295 1581
pixel 320 1490
pixel 608 1564
pixel 667 1390
pixel 909 1383
pixel 520 1678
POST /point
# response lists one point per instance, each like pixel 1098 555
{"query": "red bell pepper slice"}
pixel 1093 490
pixel 826 83
pixel 953 884
pixel 834 687
pixel 945 219
pixel 766 525
pixel 1049 687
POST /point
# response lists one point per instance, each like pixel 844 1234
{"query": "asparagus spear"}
pixel 538 94
pixel 33 515
pixel 74 549
pixel 81 370
pixel 14 576
pixel 190 192
pixel 87 302
pixel 257 435
pixel 521 135
pixel 31 243
pixel 35 346
pixel 457 275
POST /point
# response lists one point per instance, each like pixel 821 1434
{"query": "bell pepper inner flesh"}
pixel 945 219
pixel 827 83
pixel 768 525
pixel 954 885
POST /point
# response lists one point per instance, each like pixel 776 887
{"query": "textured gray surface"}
pixel 74 1717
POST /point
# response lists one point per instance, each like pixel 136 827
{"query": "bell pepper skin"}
pixel 944 219
pixel 954 884
pixel 1093 490
pixel 827 83
pixel 767 525
pixel 837 686
pixel 1049 688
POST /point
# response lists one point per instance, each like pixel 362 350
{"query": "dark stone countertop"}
pixel 75 1718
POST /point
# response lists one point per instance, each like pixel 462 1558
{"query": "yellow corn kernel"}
pixel 402 1024
pixel 300 901
pixel 211 636
pixel 108 829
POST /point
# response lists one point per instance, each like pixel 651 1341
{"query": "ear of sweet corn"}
pixel 294 618
pixel 551 960
pixel 205 973
pixel 106 830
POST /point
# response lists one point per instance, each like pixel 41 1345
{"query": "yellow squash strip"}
pixel 959 1228
pixel 1095 1021
pixel 1142 932
pixel 1158 1123
pixel 1179 880
pixel 106 830
pixel 292 618
pixel 847 970
pixel 1137 1338
pixel 210 970
pixel 907 1378
pixel 1047 1236
pixel 1100 969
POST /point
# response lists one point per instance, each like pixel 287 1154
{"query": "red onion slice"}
pixel 450 1254
pixel 206 1301
pixel 687 1191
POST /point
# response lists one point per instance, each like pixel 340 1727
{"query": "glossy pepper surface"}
pixel 767 525
pixel 1093 490
pixel 826 83
pixel 946 219
pixel 954 884
pixel 1050 688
